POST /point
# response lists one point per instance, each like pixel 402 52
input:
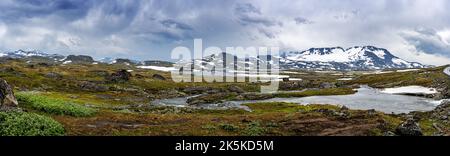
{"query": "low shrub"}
pixel 28 124
pixel 53 105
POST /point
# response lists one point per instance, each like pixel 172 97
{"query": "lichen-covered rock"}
pixel 7 99
pixel 119 76
pixel 79 59
pixel 236 89
pixel 210 98
pixel 197 89
pixel 442 112
pixel 327 85
pixel 53 75
pixel 91 86
pixel 159 77
pixel 409 128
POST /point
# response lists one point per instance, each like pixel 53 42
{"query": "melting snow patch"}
pixel 345 79
pixel 407 70
pixel 164 69
pixel 410 90
pixel 447 71
pixel 67 62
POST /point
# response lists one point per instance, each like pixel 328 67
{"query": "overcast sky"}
pixel 415 30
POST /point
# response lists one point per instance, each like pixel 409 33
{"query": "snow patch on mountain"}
pixel 26 54
pixel 337 58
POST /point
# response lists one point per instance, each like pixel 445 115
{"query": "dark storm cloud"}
pixel 152 28
pixel 16 11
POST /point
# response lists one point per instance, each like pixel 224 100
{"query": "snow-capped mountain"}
pixel 107 60
pixel 27 54
pixel 334 58
pixel 337 58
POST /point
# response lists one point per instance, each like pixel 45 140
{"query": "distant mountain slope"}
pixel 27 54
pixel 333 58
pixel 337 58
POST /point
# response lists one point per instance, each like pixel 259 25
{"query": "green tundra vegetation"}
pixel 81 99
pixel 28 124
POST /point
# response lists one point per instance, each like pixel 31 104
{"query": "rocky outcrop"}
pixel 158 77
pixel 254 96
pixel 210 98
pixel 442 112
pixel 443 92
pixel 124 61
pixel 11 71
pixel 197 90
pixel 91 86
pixel 236 89
pixel 327 85
pixel 7 99
pixel 158 63
pixel 53 75
pixel 99 73
pixel 79 59
pixel 119 76
pixel 409 128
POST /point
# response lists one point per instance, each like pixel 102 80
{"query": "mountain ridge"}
pixel 352 58
pixel 325 58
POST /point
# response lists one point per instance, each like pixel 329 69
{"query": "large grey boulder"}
pixel 409 128
pixel 7 99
